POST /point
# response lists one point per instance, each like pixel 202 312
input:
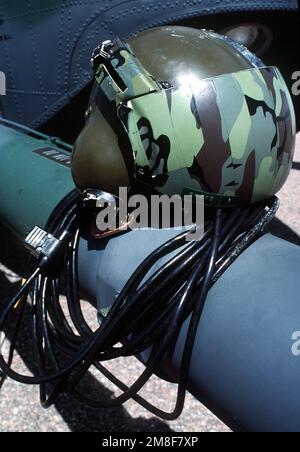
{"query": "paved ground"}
pixel 289 212
pixel 19 407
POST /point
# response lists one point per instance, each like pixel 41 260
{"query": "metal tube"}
pixel 35 177
pixel 245 366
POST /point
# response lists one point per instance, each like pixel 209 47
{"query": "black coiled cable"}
pixel 150 313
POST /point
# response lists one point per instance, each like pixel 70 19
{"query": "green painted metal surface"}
pixel 35 176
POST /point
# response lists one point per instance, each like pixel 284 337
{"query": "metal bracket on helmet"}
pixel 127 77
pixel 95 200
pixel 105 51
pixel 92 198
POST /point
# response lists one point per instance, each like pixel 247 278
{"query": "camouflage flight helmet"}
pixel 185 111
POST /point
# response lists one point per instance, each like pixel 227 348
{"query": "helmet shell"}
pixel 223 125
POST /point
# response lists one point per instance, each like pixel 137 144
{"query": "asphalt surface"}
pixel 19 405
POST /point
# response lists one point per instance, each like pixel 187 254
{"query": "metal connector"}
pixel 105 51
pixel 95 198
pixel 101 54
pixel 40 243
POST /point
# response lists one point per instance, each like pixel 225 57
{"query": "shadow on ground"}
pixel 78 417
pixel 281 230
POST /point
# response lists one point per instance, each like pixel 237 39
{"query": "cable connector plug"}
pixel 45 247
pixel 40 243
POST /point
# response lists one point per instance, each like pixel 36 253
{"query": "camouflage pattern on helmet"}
pixel 231 137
